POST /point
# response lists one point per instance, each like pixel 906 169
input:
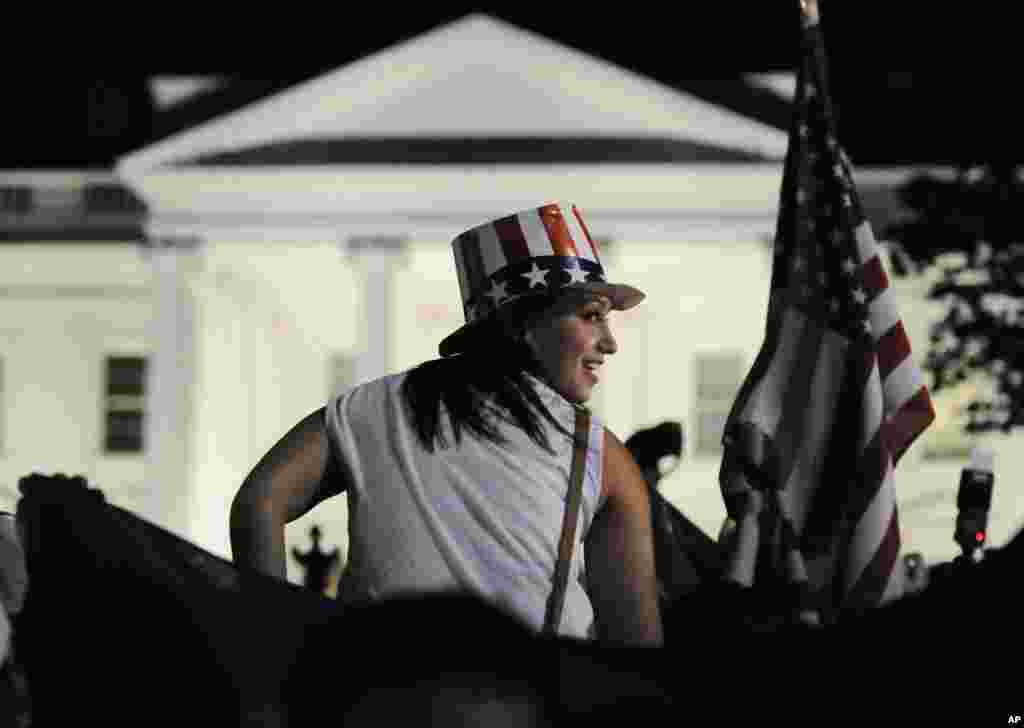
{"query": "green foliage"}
pixel 971 228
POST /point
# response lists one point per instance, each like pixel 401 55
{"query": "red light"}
pixel 979 536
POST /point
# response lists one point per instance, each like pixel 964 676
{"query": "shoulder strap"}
pixel 553 617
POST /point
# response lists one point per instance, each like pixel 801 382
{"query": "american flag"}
pixel 834 393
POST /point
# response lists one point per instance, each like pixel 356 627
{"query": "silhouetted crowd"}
pixel 111 620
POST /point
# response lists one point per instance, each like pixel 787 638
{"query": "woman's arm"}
pixel 296 474
pixel 620 555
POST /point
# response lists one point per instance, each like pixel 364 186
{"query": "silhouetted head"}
pixel 649 447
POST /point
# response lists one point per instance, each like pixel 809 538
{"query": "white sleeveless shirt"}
pixel 479 517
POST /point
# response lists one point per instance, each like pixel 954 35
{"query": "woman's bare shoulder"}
pixel 621 474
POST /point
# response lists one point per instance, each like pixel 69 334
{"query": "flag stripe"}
pixel 893 349
pixel 474 261
pixel 460 269
pixel 870 528
pixel 913 417
pixel 867 248
pixel 490 250
pixel 902 383
pixel 792 429
pixel 579 239
pixel 820 410
pixel 872 277
pixel 586 232
pixel 536 234
pixel 882 313
pixel 873 406
pixel 867 480
pixel 889 552
pixel 558 233
pixel 764 406
pixel 874 579
pixel 827 516
pixel 512 240
pixel 753 388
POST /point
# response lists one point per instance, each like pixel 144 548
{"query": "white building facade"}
pixel 288 252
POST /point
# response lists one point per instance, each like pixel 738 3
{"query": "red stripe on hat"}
pixel 512 240
pixel 590 240
pixel 558 231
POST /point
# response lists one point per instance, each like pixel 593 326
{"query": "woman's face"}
pixel 571 341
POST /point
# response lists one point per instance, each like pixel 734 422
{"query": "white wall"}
pixel 272 312
pixel 703 295
pixel 63 309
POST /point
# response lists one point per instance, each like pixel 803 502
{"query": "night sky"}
pixel 914 83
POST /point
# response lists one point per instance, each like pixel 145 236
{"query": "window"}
pixel 718 379
pixel 15 200
pixel 124 404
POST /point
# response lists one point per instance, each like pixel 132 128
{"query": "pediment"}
pixel 477 78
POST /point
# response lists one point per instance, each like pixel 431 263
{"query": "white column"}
pixel 377 259
pixel 170 374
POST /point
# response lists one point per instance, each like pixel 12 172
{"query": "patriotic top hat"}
pixel 543 250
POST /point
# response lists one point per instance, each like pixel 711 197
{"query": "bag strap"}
pixel 566 544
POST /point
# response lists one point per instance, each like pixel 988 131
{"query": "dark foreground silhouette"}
pixel 127 624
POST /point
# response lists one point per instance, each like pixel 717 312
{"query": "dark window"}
pixel 124 404
pixel 15 200
pixel 109 198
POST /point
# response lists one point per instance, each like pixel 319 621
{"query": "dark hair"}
pixel 651 444
pixel 488 382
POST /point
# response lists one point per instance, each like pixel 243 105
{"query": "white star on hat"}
pixel 859 295
pixel 536 275
pixel 497 292
pixel 576 274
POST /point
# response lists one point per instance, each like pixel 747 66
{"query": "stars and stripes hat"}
pixel 543 250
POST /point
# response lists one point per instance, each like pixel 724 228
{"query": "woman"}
pixel 457 471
